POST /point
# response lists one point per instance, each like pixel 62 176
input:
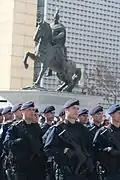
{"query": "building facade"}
pixel 93 33
pixel 17 26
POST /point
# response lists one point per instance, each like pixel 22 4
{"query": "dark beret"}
pixel 1 109
pixel 61 113
pixel 83 111
pixel 70 103
pixel 113 108
pixel 6 110
pixel 16 107
pixel 27 105
pixel 95 110
pixel 36 110
pixel 48 109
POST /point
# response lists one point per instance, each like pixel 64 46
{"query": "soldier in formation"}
pixel 49 113
pixel 96 113
pixel 23 142
pixel 106 145
pixel 83 117
pixel 68 142
pixel 67 150
pixel 61 115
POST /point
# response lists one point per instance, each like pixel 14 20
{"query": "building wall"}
pixel 22 41
pixel 93 32
pixel 6 28
pixel 20 27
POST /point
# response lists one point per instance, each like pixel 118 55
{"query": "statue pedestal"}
pixel 42 98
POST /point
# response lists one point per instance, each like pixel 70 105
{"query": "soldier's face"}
pixel 72 112
pixel 29 113
pixel 36 116
pixel 50 116
pixel 8 116
pixel 83 119
pixel 98 117
pixel 18 114
pixel 116 116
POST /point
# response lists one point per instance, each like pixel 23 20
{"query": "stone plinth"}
pixel 42 98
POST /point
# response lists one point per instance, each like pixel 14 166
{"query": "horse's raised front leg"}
pixel 28 54
pixel 42 71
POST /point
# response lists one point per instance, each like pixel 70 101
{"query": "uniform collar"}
pixel 97 126
pixel 113 127
pixel 46 124
pixel 66 121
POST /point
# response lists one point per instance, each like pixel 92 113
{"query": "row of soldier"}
pixel 65 148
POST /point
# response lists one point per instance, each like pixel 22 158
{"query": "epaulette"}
pixel 103 130
pixel 17 122
pixel 56 126
pixel 91 128
pixel 59 126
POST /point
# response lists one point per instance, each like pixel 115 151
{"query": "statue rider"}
pixel 58 40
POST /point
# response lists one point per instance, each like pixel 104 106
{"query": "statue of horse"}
pixel 50 56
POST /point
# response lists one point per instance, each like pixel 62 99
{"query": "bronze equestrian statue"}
pixel 51 52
